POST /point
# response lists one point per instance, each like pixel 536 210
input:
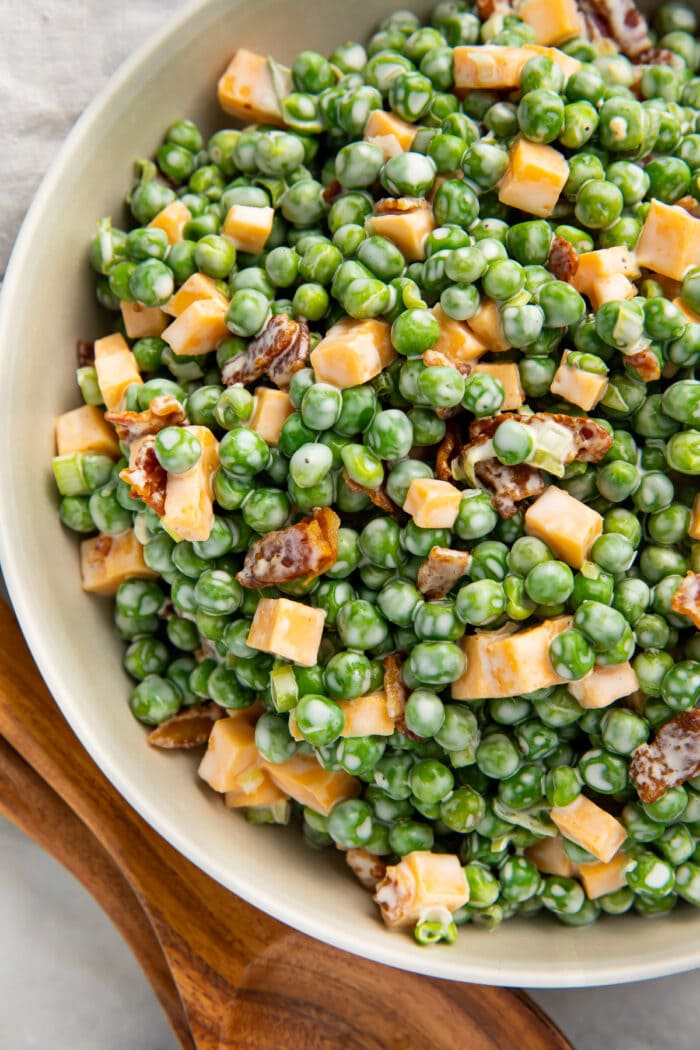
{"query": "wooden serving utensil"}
pixel 242 980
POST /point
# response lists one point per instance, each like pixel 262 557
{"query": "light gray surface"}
pixel 53 58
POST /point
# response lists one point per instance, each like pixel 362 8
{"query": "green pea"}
pixel 154 700
pixel 425 713
pixel 570 655
pixel 650 668
pixel 455 202
pixel 541 115
pixel 243 452
pixel 497 757
pixel 562 304
pixel 350 823
pixel 549 583
pixel 436 663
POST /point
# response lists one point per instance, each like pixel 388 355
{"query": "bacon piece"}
pixel 618 20
pixel 398 205
pixel 670 759
pixel 280 350
pixel 686 600
pixel 562 260
pixel 367 867
pixel 379 496
pixel 591 440
pixel 440 571
pixel 509 485
pixel 646 363
pixel 147 478
pixel 394 687
pixel 331 192
pixel 448 448
pixel 188 728
pixel 433 358
pixel 301 551
pixel 657 56
pixel 85 350
pixel 164 411
pixel 688 203
pixel 486 8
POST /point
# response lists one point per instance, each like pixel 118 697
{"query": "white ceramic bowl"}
pixel 47 303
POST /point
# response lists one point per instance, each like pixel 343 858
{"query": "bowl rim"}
pixel 386 950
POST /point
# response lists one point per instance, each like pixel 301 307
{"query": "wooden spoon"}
pixel 246 981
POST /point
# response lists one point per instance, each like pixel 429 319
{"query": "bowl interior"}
pixel 47 303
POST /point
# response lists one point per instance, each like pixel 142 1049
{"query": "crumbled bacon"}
pixel 85 350
pixel 591 440
pixel 670 759
pixel 433 358
pixel 440 571
pixel 147 478
pixel 280 350
pixel 164 411
pixel 686 600
pixel 367 867
pixel 688 203
pixel 646 364
pixel 486 8
pixel 400 205
pixel 447 450
pixel 331 192
pixel 301 551
pixel 656 56
pixel 188 728
pixel 562 260
pixel 394 687
pixel 378 495
pixel 620 21
pixel 509 485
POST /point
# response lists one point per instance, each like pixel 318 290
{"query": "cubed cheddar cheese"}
pixel 604 685
pixel 584 389
pixel 694 527
pixel 389 132
pixel 141 321
pixel 248 227
pixel 420 882
pixel 553 21
pixel 509 375
pixel 106 561
pixel 364 716
pixel 195 288
pixel 486 326
pixel 669 243
pixel 605 289
pixel 590 827
pixel 270 410
pixel 353 352
pixel 598 879
pixel 85 429
pixel 432 504
pixel 605 262
pixel 500 664
pixel 254 787
pixel 488 66
pixel 172 220
pixel 407 228
pixel 457 342
pixel 230 752
pixel 247 90
pixel 189 499
pixel 199 329
pixel 304 780
pixel 549 857
pixel 567 525
pixel 535 176
pixel 287 629
pixel 116 369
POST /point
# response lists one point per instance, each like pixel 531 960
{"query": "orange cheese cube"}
pixel 509 375
pixel 591 827
pixel 172 220
pixel 85 429
pixel 419 882
pixel 569 527
pixel 199 329
pixel 669 242
pixel 106 561
pixel 271 409
pixel 694 527
pixel 364 716
pixel 486 325
pixel 598 879
pixel 432 504
pixel 605 262
pixel 353 352
pixel 304 780
pixel 603 685
pixel 189 499
pixel 116 369
pixel 535 176
pixel 287 629
pixel 248 228
pixel 554 21
pixel 140 321
pixel 458 343
pixel 500 664
pixel 604 290
pixel 488 66
pixel 406 229
pixel 230 752
pixel 549 856
pixel 584 389
pixel 195 288
pixel 389 132
pixel 254 787
pixel 247 90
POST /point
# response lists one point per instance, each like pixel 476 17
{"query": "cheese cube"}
pixel 509 375
pixel 591 827
pixel 116 369
pixel 432 504
pixel 500 664
pixel 189 499
pixel 254 787
pixel 287 629
pixel 584 389
pixel 247 91
pixel 535 176
pixel 566 525
pixel 304 780
pixel 140 321
pixel 488 66
pixel 604 685
pixel 248 227
pixel 196 287
pixel 694 527
pixel 389 132
pixel 230 751
pixel 598 879
pixel 549 856
pixel 85 429
pixel 172 220
pixel 605 262
pixel 458 343
pixel 199 329
pixel 353 352
pixel 106 561
pixel 486 325
pixel 271 409
pixel 669 242
pixel 407 228
pixel 364 716
pixel 604 290
pixel 419 882
pixel 554 21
